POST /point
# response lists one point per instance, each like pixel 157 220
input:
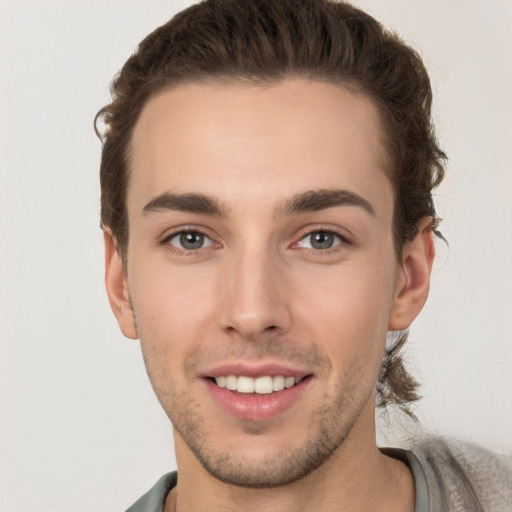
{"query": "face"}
pixel 261 276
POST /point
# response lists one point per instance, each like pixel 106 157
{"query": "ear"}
pixel 117 287
pixel 413 282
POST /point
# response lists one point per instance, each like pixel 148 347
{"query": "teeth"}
pixel 261 385
pixel 245 385
pixel 231 382
pixel 289 382
pixel 278 383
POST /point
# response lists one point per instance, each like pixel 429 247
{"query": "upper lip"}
pixel 255 370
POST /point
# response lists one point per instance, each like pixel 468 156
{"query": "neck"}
pixel 357 475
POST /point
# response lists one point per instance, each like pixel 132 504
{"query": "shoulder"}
pixel 154 499
pixel 465 476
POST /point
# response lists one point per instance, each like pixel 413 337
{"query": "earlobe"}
pixel 117 288
pixel 413 283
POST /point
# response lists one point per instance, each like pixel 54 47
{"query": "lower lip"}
pixel 256 407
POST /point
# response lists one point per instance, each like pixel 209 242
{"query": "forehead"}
pixel 258 142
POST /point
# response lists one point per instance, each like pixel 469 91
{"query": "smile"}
pixel 260 385
pixel 257 397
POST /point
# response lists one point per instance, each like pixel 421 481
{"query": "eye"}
pixel 320 240
pixel 190 240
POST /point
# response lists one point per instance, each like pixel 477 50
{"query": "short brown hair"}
pixel 264 41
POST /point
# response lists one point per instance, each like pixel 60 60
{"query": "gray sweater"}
pixel 464 477
pixel 450 476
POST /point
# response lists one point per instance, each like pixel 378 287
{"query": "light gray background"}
pixel 80 429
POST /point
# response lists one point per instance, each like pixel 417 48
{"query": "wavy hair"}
pixel 265 41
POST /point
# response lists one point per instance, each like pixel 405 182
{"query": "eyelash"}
pixel 186 252
pixel 343 241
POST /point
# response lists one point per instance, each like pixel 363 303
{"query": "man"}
pixel 267 179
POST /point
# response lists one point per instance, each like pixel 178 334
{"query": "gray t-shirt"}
pixel 449 476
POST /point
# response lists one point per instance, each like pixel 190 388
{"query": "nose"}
pixel 255 302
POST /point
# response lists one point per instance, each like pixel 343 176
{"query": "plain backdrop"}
pixel 80 429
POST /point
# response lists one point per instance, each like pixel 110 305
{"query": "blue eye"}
pixel 320 240
pixel 190 240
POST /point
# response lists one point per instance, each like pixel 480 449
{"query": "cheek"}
pixel 172 305
pixel 347 313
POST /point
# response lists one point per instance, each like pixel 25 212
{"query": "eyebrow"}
pixel 190 203
pixel 310 201
pixel 316 200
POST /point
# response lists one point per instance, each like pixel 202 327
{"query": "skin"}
pixel 258 291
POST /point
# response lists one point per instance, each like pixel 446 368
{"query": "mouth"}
pixel 257 394
pixel 263 385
